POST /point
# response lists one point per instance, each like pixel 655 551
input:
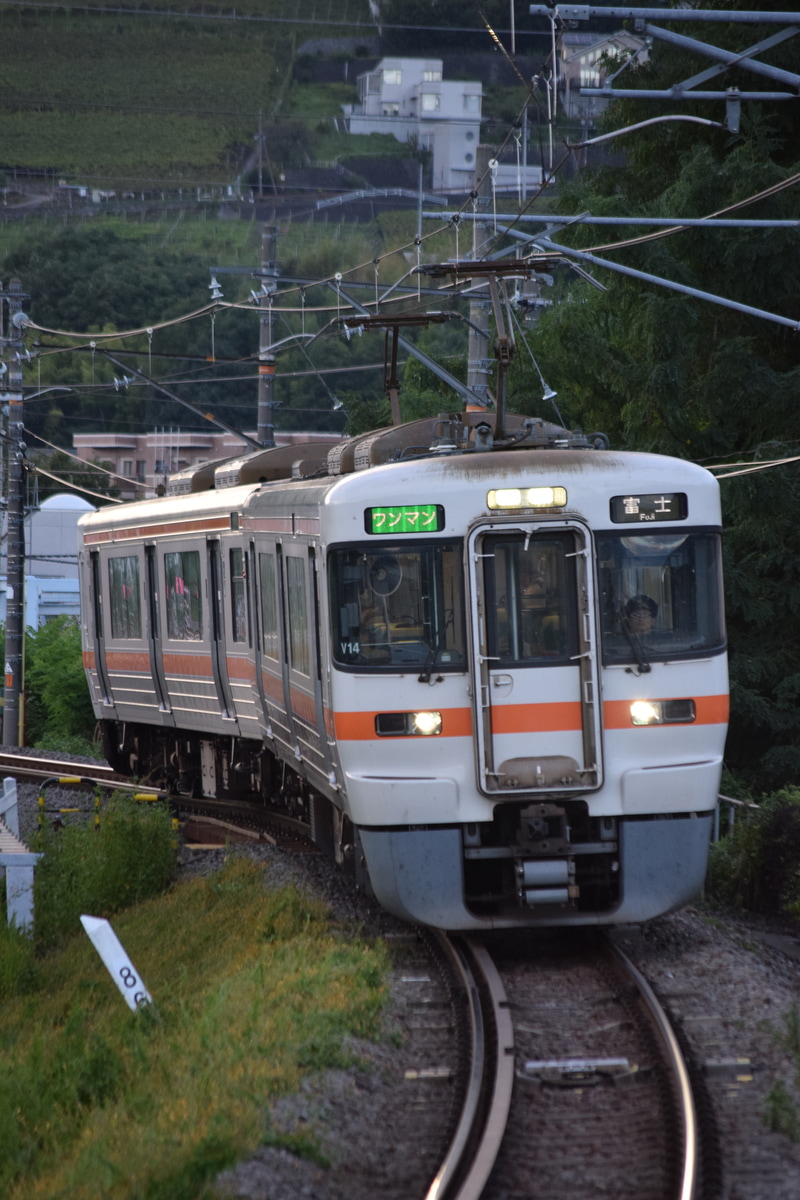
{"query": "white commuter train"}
pixel 491 678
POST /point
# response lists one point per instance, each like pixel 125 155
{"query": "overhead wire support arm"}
pixel 207 416
pixel 420 355
pixel 747 309
pixel 621 12
pixel 725 59
pixel 392 325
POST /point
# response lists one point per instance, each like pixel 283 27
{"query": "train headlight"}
pixel 427 723
pixel 532 497
pixel 663 712
pixel 408 724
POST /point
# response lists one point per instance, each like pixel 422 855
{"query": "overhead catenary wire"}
pixel 218 307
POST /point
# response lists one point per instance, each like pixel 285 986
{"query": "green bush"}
pixel 58 701
pixel 128 858
pixel 757 865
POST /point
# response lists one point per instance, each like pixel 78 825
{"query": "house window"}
pixel 127 468
pixel 392 76
pixel 141 468
pixel 472 104
pixel 391 110
pixel 431 101
pixel 431 76
pixel 468 158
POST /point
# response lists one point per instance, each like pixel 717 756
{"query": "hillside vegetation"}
pixel 139 100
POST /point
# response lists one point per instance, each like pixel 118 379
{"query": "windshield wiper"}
pixel 430 663
pixel 637 647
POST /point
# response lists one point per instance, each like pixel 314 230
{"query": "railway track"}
pixel 588 1094
pixel 205 821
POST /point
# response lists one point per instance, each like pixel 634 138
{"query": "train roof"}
pixel 448 452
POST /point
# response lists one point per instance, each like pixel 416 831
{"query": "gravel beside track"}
pixel 732 981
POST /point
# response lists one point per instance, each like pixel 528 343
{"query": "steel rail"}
pixel 31 767
pixel 476 1141
pixel 689 1168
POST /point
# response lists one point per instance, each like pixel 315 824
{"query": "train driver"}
pixel 640 615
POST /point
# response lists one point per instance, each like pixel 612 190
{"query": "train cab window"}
pixel 269 606
pixel 238 597
pixel 530 598
pixel 398 606
pixel 298 614
pixel 660 596
pixel 125 595
pixel 184 604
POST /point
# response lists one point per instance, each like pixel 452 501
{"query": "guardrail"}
pixel 732 805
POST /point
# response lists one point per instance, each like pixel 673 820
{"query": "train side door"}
pixel 535 662
pixel 303 676
pixel 99 642
pixel 154 630
pixel 219 662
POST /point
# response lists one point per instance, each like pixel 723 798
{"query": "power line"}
pixel 237 17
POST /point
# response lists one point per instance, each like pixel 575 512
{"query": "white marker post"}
pixel 119 966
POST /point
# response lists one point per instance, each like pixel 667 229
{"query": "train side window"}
pixel 298 614
pixel 184 604
pixel 238 599
pixel 125 594
pixel 269 606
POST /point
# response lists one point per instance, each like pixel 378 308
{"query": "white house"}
pixel 408 98
pixel 584 64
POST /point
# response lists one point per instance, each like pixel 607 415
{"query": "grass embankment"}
pixel 252 989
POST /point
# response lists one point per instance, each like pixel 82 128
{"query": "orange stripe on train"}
pixel 360 726
pixel 536 718
pixel 709 710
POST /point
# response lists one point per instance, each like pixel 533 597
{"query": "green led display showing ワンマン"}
pixel 405 518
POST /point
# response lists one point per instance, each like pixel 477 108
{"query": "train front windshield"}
pixel 398 606
pixel 660 596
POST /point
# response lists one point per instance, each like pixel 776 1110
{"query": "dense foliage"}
pixel 58 710
pixel 757 865
pixel 666 372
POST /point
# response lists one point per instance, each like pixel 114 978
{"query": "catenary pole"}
pixel 11 400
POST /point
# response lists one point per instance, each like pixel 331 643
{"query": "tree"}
pixel 661 371
pixel 59 711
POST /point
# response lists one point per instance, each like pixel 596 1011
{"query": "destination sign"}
pixel 642 509
pixel 405 518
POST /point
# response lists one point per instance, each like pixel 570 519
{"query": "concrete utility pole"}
pixel 478 364
pixel 11 400
pixel 266 359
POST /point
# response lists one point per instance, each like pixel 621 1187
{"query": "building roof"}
pixel 66 500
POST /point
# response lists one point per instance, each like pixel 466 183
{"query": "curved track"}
pixel 590 1088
